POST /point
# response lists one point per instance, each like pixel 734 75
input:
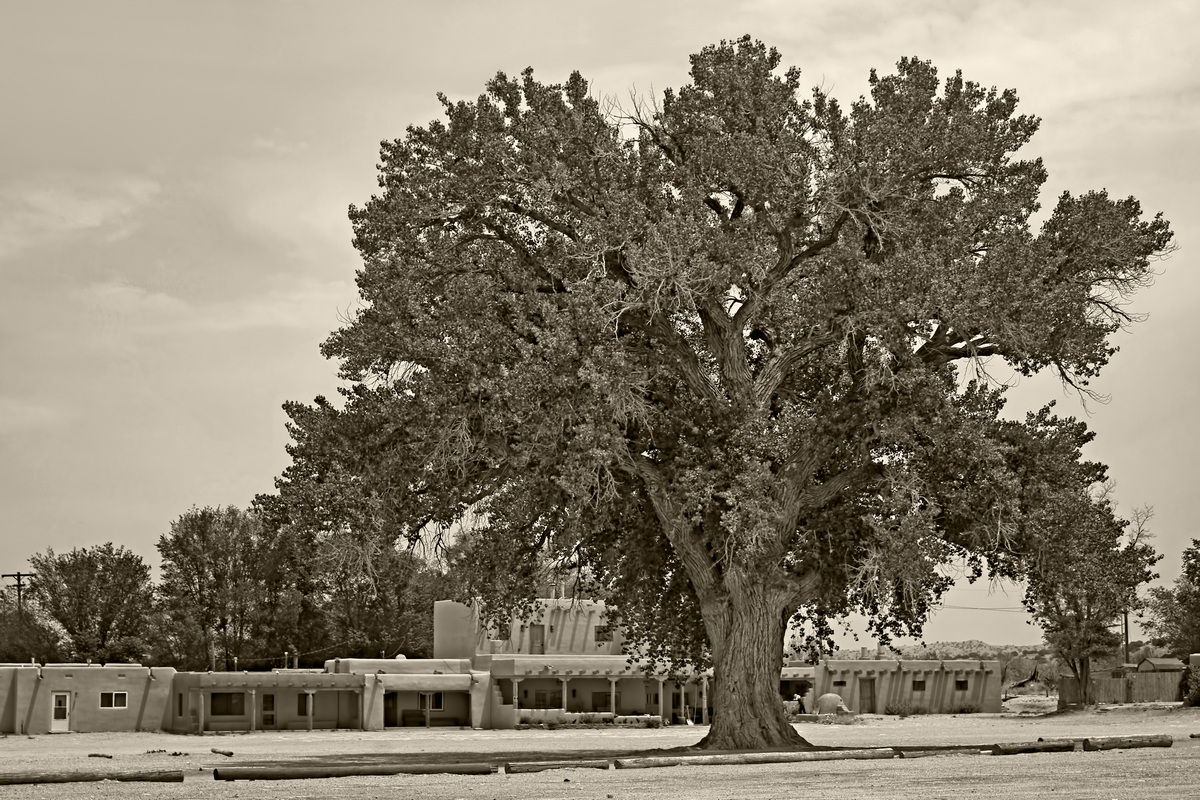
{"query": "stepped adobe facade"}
pixel 565 662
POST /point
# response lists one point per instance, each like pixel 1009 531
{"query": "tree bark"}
pixel 746 627
pixel 1086 693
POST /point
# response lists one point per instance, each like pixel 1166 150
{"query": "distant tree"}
pixel 1173 613
pixel 709 350
pixel 24 634
pixel 1085 574
pixel 100 596
pixel 212 590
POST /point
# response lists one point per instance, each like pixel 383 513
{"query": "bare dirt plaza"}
pixel 1173 772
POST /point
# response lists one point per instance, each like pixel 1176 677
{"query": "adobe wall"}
pixel 140 697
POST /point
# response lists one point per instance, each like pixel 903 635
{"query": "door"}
pixel 866 695
pixel 268 712
pixel 60 719
pixel 537 639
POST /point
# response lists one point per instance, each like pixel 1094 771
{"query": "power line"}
pixel 1009 609
pixel 20 576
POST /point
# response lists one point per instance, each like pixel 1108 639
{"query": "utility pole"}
pixel 20 578
pixel 1126 661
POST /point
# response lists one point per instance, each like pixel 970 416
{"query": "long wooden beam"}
pixel 92 776
pixel 284 772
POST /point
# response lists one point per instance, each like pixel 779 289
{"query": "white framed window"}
pixel 114 699
pixel 436 705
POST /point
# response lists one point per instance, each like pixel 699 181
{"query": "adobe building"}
pixel 936 687
pixel 57 698
pixel 563 663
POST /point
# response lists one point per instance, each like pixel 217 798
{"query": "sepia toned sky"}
pixel 174 180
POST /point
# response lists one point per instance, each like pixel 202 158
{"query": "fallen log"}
pixel 540 766
pixel 223 752
pixel 646 762
pixel 941 752
pixel 283 772
pixel 1095 743
pixel 150 776
pixel 1040 746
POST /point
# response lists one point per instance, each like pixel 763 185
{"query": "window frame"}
pixel 231 709
pixel 112 700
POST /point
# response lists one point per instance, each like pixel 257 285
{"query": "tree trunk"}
pixel 746 629
pixel 1087 694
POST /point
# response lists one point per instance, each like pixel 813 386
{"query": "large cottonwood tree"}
pixel 711 349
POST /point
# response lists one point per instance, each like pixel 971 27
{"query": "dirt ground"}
pixel 1167 772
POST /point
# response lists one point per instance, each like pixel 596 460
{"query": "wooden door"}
pixel 866 695
pixel 537 639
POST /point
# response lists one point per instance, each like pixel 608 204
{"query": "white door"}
pixel 60 719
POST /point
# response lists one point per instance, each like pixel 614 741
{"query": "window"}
pixel 179 705
pixel 114 699
pixel 960 686
pixel 228 704
pixel 503 632
pixel 919 686
pixel 302 704
pixel 437 701
pixel 604 633
pixel 839 683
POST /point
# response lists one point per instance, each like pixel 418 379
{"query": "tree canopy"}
pixel 1084 576
pixel 715 349
pixel 99 596
pixel 1173 616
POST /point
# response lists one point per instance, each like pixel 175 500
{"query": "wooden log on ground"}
pixel 1040 746
pixel 1094 743
pixel 540 766
pixel 957 751
pixel 223 752
pixel 284 772
pixel 150 776
pixel 646 762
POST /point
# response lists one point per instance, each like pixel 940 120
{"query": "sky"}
pixel 174 243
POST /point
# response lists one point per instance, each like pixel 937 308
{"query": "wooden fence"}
pixel 1136 687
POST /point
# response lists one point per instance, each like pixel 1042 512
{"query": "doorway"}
pixel 60 719
pixel 537 639
pixel 866 695
pixel 268 712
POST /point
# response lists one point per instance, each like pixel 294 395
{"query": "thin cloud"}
pixel 137 311
pixel 35 212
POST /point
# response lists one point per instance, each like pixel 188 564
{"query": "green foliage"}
pixel 99 596
pixel 712 353
pixel 966 708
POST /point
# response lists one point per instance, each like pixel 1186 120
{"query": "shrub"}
pixel 903 709
pixel 1191 689
pixel 967 708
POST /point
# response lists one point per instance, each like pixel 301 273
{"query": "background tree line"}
pixel 235 591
